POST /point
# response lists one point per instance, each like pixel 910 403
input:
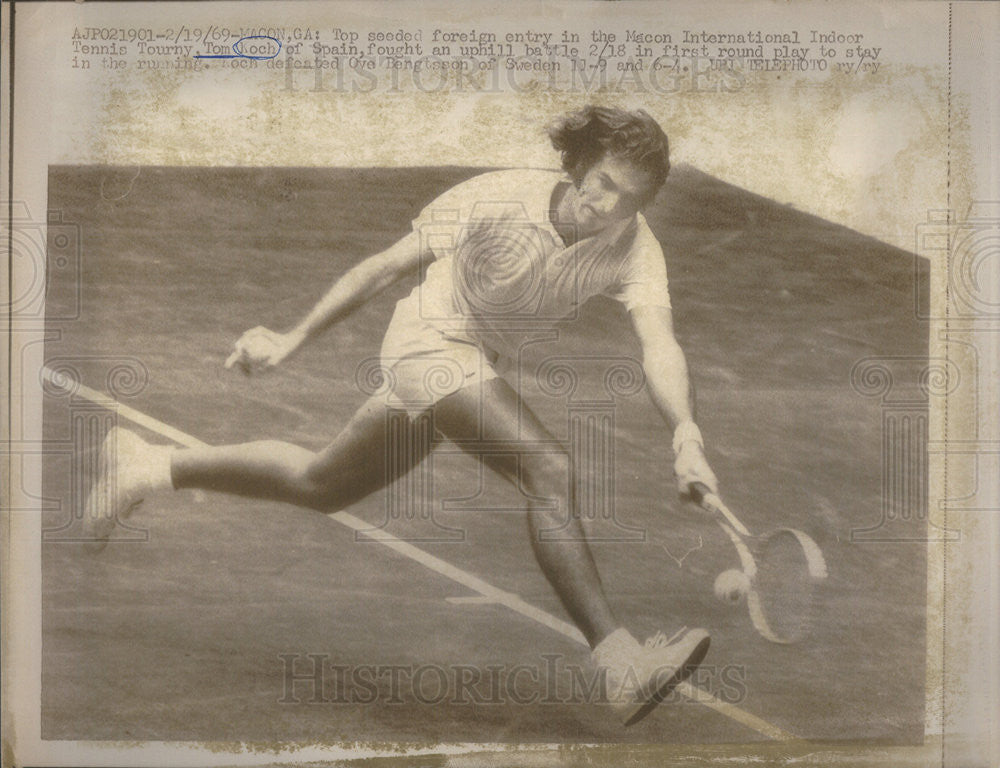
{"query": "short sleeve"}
pixel 643 278
pixel 440 221
pixel 516 195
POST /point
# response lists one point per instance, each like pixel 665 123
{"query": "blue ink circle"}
pixel 240 54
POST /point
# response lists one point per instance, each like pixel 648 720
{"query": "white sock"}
pixel 153 468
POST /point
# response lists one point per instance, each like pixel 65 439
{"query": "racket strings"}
pixel 784 586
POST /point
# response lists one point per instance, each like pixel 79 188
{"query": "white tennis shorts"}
pixel 421 362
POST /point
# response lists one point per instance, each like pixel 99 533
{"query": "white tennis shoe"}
pixel 640 677
pixel 120 486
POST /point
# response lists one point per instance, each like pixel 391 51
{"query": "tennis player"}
pixel 507 251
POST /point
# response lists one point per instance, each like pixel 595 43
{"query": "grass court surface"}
pixel 187 635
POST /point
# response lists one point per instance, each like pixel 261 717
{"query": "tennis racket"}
pixel 784 567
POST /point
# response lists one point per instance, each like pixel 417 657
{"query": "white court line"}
pixel 426 559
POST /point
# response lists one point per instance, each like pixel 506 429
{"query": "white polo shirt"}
pixel 500 267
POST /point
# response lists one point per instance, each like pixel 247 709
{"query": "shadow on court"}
pixel 217 618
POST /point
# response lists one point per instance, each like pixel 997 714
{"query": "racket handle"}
pixel 705 498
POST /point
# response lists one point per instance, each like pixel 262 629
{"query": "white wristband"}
pixel 686 430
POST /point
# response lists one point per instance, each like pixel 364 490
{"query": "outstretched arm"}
pixel 359 284
pixel 261 348
pixel 669 388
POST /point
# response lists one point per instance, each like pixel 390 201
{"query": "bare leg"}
pixel 567 563
pixel 354 465
pixel 347 470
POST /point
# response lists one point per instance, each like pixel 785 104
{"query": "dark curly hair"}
pixel 585 136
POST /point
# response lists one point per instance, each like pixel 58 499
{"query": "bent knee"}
pixel 327 491
pixel 544 477
pixel 315 492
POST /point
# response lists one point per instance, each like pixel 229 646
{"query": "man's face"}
pixel 612 189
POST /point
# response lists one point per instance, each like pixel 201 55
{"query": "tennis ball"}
pixel 732 586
